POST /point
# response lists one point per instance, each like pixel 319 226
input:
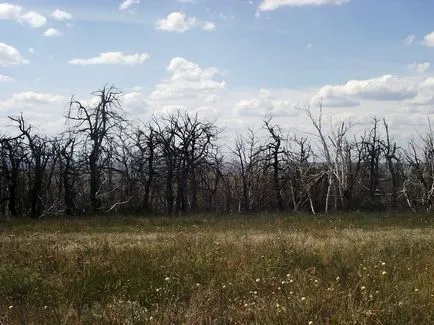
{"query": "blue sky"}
pixel 232 60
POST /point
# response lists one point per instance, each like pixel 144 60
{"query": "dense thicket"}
pixel 104 163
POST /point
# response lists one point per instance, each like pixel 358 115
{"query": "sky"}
pixel 230 61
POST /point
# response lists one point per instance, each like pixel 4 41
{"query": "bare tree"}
pixel 97 124
pixel 302 174
pixel 372 146
pixel 418 187
pixel 330 163
pixel 275 153
pixel 391 153
pixel 248 153
pixel 40 154
pixel 69 173
pixel 12 156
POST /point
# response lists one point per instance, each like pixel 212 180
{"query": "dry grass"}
pixel 263 270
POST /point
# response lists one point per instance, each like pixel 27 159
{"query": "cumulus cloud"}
pixel 428 83
pixel 425 94
pixel 188 79
pixel 128 4
pixel 9 11
pixel 263 104
pixel 268 5
pixel 208 26
pixel 419 67
pixel 428 40
pixel 43 110
pixel 164 109
pixel 52 32
pixel 9 55
pixel 113 58
pixel 212 98
pixel 422 99
pixel 178 22
pixel 384 88
pixel 4 78
pixel 14 12
pixel 33 19
pixel 135 102
pixel 28 100
pixel 208 112
pixel 61 15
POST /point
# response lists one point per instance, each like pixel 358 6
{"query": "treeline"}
pixel 103 163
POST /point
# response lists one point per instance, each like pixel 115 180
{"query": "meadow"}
pixel 264 269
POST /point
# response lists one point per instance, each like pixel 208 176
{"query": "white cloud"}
pixel 127 4
pixel 113 58
pixel 33 19
pixel 27 100
pixel 409 39
pixel 428 83
pixel 263 104
pixel 61 15
pixel 425 94
pixel 336 102
pixel 135 102
pixel 384 88
pixel 208 26
pixel 419 67
pixel 188 79
pixel 52 32
pixel 428 40
pixel 4 78
pixel 178 22
pixel 10 56
pixel 212 98
pixel 161 110
pixel 268 5
pixel 31 50
pixel 43 110
pixel 422 99
pixel 14 12
pixel 9 11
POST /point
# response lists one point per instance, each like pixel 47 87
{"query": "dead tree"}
pixel 372 146
pixel 69 173
pixel 97 124
pixel 37 160
pixel 275 152
pixel 390 151
pixel 12 157
pixel 301 174
pixel 185 144
pixel 165 138
pixel 196 144
pixel 145 160
pixel 418 187
pixel 325 150
pixel 342 165
pixel 248 153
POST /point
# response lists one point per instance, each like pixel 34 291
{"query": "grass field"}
pixel 348 269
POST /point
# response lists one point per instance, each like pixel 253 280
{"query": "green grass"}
pixel 346 269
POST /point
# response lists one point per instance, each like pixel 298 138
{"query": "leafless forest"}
pixel 174 164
